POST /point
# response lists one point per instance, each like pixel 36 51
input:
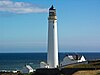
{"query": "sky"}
pixel 24 25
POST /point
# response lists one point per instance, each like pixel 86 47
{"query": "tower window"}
pixel 53 21
pixel 53 26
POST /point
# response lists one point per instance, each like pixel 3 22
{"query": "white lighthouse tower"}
pixel 52 57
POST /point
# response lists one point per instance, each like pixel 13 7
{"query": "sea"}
pixel 17 61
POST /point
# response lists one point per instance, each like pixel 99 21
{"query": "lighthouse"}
pixel 52 56
pixel 52 52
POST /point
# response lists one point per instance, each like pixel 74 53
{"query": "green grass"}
pixel 89 65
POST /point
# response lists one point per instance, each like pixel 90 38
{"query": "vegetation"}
pixel 92 68
pixel 26 74
pixel 89 65
pixel 90 72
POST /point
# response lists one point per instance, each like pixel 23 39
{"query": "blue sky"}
pixel 24 25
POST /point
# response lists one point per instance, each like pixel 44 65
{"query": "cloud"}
pixel 20 7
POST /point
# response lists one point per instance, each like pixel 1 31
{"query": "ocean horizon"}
pixel 17 61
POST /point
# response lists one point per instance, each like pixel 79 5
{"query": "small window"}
pixel 53 21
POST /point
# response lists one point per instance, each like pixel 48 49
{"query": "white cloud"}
pixel 20 7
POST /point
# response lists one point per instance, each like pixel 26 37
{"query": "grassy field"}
pixel 91 64
pixel 89 72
